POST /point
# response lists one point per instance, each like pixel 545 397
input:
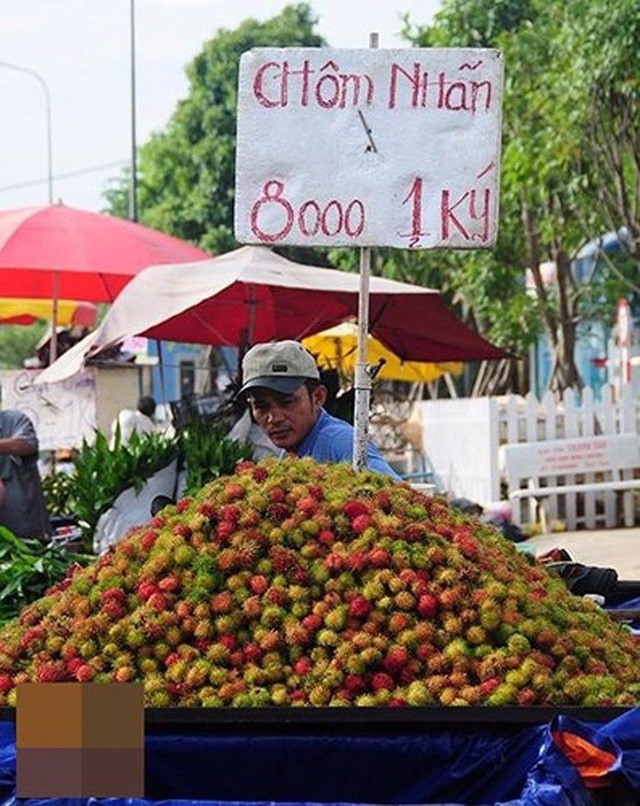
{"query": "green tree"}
pixel 571 87
pixel 605 79
pixel 18 342
pixel 187 173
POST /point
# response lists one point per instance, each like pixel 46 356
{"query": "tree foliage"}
pixel 18 342
pixel 187 172
pixel 569 162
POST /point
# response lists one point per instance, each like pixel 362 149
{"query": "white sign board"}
pixel 559 457
pixel 62 413
pixel 369 147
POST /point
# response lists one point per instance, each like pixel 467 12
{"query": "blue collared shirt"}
pixel 331 440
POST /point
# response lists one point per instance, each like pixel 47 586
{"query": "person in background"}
pixel 22 504
pixel 281 383
pixel 139 420
pixel 247 430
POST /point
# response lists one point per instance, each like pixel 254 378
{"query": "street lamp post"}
pixel 133 192
pixel 47 98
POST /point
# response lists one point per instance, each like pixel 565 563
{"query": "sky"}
pixel 80 52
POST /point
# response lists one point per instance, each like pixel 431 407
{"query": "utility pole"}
pixel 133 191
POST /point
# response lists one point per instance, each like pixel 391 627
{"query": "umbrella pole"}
pixel 362 375
pixel 53 344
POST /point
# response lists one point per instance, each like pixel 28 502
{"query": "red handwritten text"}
pixel 278 85
pixel 415 89
pixel 462 216
pixel 469 214
pixel 273 216
pixel 415 197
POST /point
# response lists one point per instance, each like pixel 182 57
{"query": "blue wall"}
pixel 592 336
pixel 166 380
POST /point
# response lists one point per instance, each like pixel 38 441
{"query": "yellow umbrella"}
pixel 27 311
pixel 336 348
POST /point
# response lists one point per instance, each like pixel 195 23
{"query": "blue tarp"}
pixel 461 765
pixel 632 604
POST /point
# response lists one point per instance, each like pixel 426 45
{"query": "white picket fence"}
pixel 461 439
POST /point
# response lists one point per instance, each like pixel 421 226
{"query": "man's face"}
pixel 286 419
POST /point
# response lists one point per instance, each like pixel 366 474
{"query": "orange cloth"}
pixel 592 763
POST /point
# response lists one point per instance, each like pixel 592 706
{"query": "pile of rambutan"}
pixel 293 583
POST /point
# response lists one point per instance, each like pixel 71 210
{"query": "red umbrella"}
pixel 59 252
pixel 253 295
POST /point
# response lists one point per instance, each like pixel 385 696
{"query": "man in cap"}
pixel 281 383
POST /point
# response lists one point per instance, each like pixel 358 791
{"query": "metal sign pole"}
pixel 362 374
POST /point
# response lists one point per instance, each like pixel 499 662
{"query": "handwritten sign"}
pixel 369 147
pixel 63 414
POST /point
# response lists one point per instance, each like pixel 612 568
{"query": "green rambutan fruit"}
pixel 158 698
pixel 54 644
pixel 228 623
pixel 541 682
pixel 518 678
pixel 503 632
pixel 570 663
pixel 519 644
pixel 148 665
pixel 417 693
pixel 490 615
pixel 279 695
pixel 336 618
pixel 273 673
pixel 576 689
pixel 366 700
pixel 272 616
pixel 504 694
pixel 457 647
pixel 88 649
pixel 328 638
pixel 356 665
pixel 134 637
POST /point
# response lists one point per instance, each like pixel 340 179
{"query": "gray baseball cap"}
pixel 282 366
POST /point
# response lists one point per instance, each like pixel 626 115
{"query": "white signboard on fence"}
pixel 369 147
pixel 62 413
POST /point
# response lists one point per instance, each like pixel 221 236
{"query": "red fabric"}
pixel 21 319
pixel 74 254
pixel 415 327
pixel 419 328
